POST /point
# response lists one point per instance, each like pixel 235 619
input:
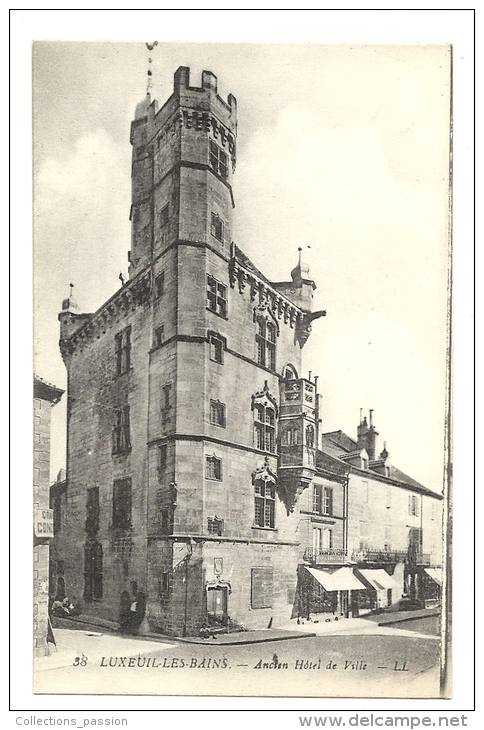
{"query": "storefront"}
pixel 381 589
pixel 338 589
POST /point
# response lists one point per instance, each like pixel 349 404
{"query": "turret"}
pixel 183 159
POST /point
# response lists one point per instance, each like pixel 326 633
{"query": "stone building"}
pixel 197 479
pixel 391 525
pixel 45 396
pixel 179 388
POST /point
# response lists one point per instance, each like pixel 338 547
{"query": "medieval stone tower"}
pixel 191 433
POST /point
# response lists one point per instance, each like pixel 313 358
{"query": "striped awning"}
pixel 342 579
pixel 435 574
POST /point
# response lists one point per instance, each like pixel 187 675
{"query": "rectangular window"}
pixel 218 160
pixel 213 468
pixel 160 284
pixel 92 511
pixel 122 503
pixel 164 586
pixel 57 510
pixel 217 413
pixel 215 526
pixel 166 521
pixel 264 428
pixel 93 571
pixel 217 227
pixel 364 490
pixel 266 344
pixel 317 498
pixel 261 594
pixel 166 396
pixel 165 215
pixel 216 346
pixel 216 296
pixel 327 539
pixel 122 348
pixel 387 545
pixel 264 503
pixel 317 540
pixel 121 431
pixel 327 501
pixel 363 535
pixel 162 461
pixel 413 505
pixel 159 336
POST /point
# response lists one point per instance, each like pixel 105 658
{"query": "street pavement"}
pixel 349 657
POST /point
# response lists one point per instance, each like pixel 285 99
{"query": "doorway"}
pixel 217 602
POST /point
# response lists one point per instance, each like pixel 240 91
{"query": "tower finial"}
pixel 149 84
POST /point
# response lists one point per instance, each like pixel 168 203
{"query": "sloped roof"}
pixel 340 447
pixel 247 264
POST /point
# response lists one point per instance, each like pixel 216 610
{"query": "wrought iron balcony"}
pixel 333 556
pixel 372 555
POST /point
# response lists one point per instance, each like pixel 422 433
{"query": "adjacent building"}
pixel 195 474
pixel 45 396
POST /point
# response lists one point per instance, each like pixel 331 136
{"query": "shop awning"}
pixel 435 574
pixel 342 579
pixel 379 579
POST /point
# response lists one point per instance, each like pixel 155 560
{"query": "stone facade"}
pixel 174 487
pixel 45 396
pixel 194 478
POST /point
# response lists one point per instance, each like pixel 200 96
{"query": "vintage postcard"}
pixel 241 275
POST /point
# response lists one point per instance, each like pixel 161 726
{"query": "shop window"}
pixel 122 347
pixel 93 571
pixel 216 348
pixel 122 503
pixel 217 227
pixel 264 503
pixel 266 344
pixel 216 296
pixel 217 413
pixel 121 431
pixel 213 468
pixel 218 160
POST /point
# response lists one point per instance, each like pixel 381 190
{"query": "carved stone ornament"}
pixel 265 397
pixel 303 326
pixel 289 489
pixel 264 474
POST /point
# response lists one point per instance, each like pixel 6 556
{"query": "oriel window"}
pixel 122 347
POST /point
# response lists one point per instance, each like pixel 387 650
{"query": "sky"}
pixel 343 150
